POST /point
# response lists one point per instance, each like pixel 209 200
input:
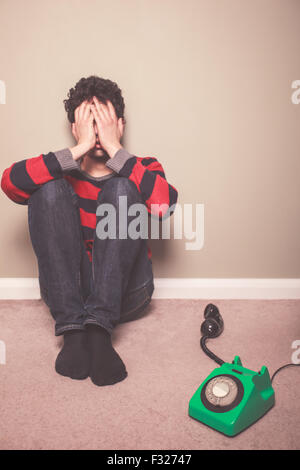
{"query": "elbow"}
pixel 163 210
pixel 10 190
pixel 4 181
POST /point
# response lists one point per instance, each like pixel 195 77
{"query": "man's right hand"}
pixel 83 130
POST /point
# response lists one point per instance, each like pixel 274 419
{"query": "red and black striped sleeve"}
pixel 149 177
pixel 22 178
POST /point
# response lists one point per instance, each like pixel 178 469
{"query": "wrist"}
pixel 113 148
pixel 79 150
pixel 119 160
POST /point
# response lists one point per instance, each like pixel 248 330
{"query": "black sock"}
pixel 73 359
pixel 106 366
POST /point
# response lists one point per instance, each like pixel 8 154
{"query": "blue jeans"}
pixel 115 287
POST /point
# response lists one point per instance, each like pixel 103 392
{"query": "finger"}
pixel 103 113
pixel 111 110
pixel 96 117
pixel 99 116
pixel 81 109
pixel 91 120
pixel 87 111
pixel 76 114
pixel 120 126
pixel 74 132
pixel 95 113
pixel 96 104
pixel 91 116
pixel 95 127
pixel 97 124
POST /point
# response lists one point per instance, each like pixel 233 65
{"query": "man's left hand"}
pixel 109 127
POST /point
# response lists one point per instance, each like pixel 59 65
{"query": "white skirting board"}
pixel 175 288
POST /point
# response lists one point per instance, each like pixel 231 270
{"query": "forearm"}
pixel 78 151
pixel 24 177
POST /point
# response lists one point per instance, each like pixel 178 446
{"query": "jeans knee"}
pixel 119 186
pixel 52 193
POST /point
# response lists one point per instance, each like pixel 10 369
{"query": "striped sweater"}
pixel 22 178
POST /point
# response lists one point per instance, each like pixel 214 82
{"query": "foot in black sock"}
pixel 73 359
pixel 106 366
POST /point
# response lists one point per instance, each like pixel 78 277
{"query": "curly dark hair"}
pixel 102 88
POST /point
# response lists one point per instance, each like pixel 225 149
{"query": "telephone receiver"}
pixel 213 324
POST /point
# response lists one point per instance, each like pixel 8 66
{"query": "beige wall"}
pixel 207 85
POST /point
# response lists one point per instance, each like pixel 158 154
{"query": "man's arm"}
pixel 22 178
pixel 149 177
pixel 146 173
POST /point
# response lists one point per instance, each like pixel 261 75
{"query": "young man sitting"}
pixel 90 284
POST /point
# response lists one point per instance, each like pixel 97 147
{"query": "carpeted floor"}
pixel 149 410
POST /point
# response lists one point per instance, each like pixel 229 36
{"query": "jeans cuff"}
pixel 63 329
pixel 97 323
